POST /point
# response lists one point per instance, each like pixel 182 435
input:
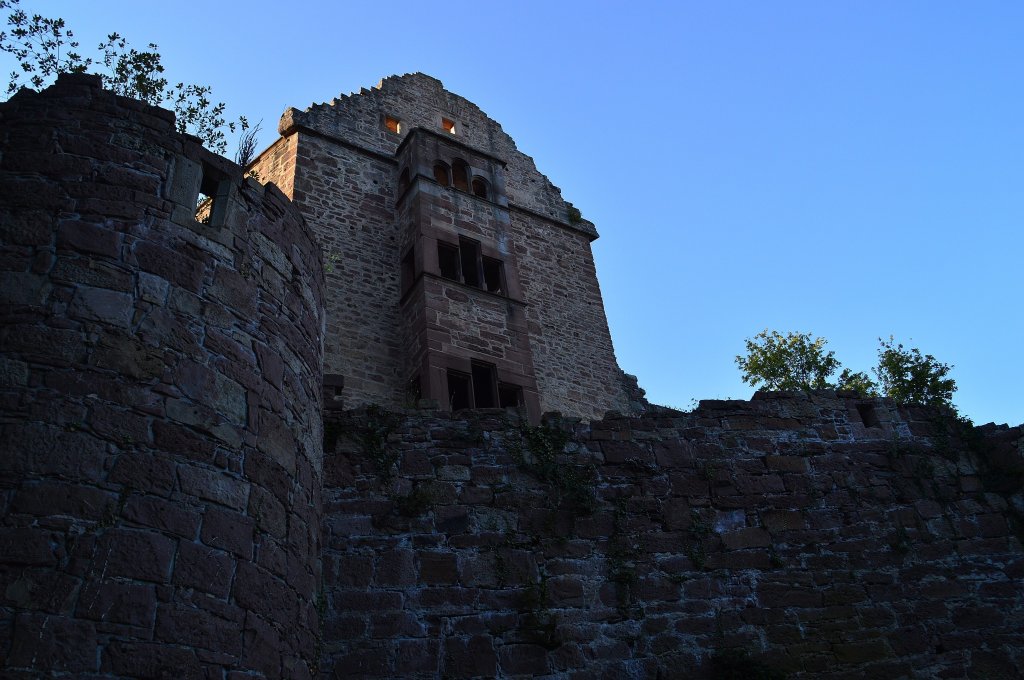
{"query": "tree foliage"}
pixel 44 47
pixel 912 378
pixel 795 361
pixel 799 361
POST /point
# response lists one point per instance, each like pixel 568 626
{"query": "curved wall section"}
pixel 160 399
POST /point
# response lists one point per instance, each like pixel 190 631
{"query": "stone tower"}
pixel 456 271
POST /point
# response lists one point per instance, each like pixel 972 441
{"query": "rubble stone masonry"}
pixel 167 509
pixel 340 163
pixel 160 383
pixel 784 533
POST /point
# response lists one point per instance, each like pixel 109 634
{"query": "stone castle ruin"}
pixel 302 427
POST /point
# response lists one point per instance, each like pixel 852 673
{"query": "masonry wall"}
pixel 784 533
pixel 160 398
pixel 344 189
pixel 563 311
pixel 347 197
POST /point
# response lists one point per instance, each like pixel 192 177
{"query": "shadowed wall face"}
pixel 160 369
pixel 829 537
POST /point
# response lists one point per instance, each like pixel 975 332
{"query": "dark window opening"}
pixel 510 396
pixel 868 415
pixel 469 252
pixel 484 385
pixel 442 175
pixel 403 181
pixel 408 270
pixel 392 124
pixel 494 275
pixel 479 187
pixel 460 175
pixel 459 395
pixel 448 261
pixel 448 125
pixel 414 390
pixel 212 192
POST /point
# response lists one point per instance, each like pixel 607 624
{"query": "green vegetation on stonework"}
pixel 372 430
pixel 45 48
pixel 799 361
pixel 538 451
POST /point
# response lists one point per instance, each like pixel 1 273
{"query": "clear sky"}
pixel 850 169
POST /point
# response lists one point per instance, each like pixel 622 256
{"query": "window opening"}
pixel 868 415
pixel 509 396
pixel 448 260
pixel 210 201
pixel 460 175
pixel 494 275
pixel 414 390
pixel 403 181
pixel 441 174
pixel 459 395
pixel 448 125
pixel 480 187
pixel 392 124
pixel 469 253
pixel 408 270
pixel 484 384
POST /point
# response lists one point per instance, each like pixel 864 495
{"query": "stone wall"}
pixel 160 390
pixel 345 183
pixel 815 535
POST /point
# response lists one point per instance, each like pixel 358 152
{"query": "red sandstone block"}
pixel 203 568
pixel 150 660
pixel 229 530
pixel 416 656
pixel 862 652
pixel 90 238
pixel 144 472
pixel 157 513
pixel 49 644
pixel 438 568
pixel 125 603
pixel 134 553
pixel 470 657
pixel 260 592
pixel 183 625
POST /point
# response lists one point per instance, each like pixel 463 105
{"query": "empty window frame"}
pixel 408 270
pixel 480 187
pixel 494 275
pixel 460 394
pixel 868 415
pixel 464 263
pixel 448 261
pixel 393 124
pixel 442 174
pixel 510 396
pixel 460 175
pixel 469 258
pixel 485 385
pixel 448 125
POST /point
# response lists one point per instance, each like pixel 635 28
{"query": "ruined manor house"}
pixel 360 416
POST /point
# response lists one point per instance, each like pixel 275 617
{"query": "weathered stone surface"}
pixel 129 386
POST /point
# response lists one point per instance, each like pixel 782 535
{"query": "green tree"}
pixel 858 382
pixel 45 47
pixel 795 361
pixel 909 377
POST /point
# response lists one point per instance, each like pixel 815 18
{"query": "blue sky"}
pixel 854 170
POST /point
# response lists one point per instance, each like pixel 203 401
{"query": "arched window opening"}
pixel 442 174
pixel 403 181
pixel 460 175
pixel 480 187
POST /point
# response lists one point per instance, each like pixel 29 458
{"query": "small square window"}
pixel 448 125
pixel 392 124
